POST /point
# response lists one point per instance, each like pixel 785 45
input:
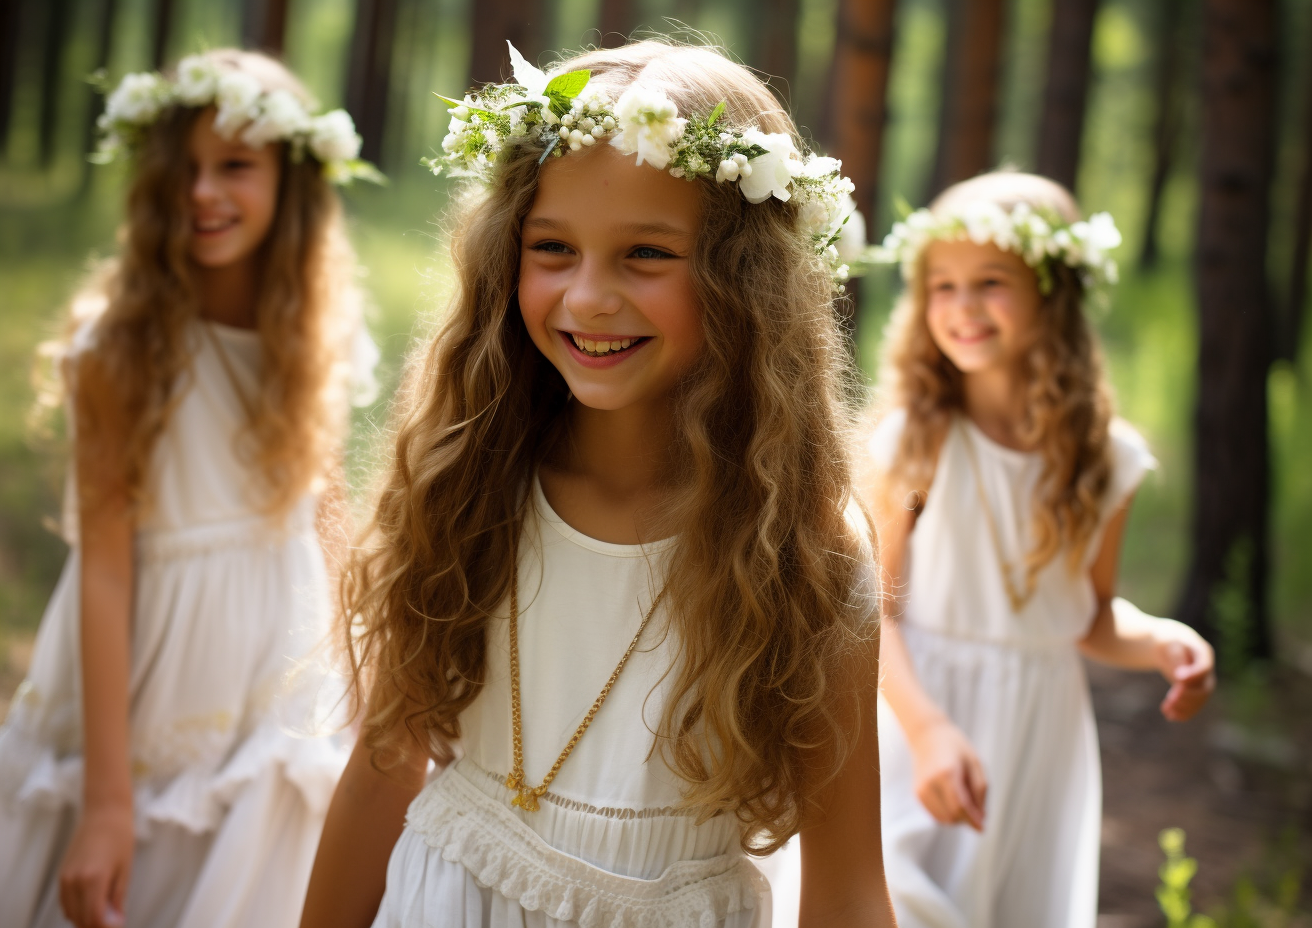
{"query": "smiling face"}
pixel 233 196
pixel 605 285
pixel 982 305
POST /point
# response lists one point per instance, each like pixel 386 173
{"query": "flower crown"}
pixel 563 112
pixel 1037 236
pixel 263 116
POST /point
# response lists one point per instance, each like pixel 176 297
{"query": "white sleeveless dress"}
pixel 230 789
pixel 1014 683
pixel 608 846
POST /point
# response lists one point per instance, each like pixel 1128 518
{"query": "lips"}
pixel 598 351
pixel 213 226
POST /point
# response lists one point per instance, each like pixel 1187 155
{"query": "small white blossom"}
pixel 333 137
pixel 851 242
pixel 137 100
pixel 237 99
pixel 773 171
pixel 649 125
pixel 281 117
pixel 198 81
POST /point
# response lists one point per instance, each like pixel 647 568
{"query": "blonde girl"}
pixel 147 777
pixel 613 589
pixel 1001 484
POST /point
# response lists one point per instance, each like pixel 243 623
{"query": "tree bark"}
pixel 1166 123
pixel 495 22
pixel 863 49
pixel 970 91
pixel 264 25
pixel 160 37
pixel 617 20
pixel 1231 458
pixel 775 25
pixel 10 22
pixel 369 75
pixel 1291 329
pixel 1061 126
pixel 104 34
pixel 55 35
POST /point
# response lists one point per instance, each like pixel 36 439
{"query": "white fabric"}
pixel 230 788
pixel 608 845
pixel 1014 683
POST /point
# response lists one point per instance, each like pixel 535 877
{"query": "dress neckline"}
pixel 976 434
pixel 570 533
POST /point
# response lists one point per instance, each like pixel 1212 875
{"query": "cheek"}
pixel 672 308
pixel 535 300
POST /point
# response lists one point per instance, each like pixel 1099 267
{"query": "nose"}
pixel 204 189
pixel 592 290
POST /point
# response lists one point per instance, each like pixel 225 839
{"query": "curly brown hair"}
pixel 140 305
pixel 766 598
pixel 1068 406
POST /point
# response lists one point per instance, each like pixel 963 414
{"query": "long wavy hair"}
pixel 1068 404
pixel 136 310
pixel 766 598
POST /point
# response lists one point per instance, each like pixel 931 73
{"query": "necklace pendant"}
pixel 527 799
pixel 515 781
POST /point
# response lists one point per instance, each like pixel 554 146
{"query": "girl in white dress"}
pixel 1001 484
pixel 613 588
pixel 150 773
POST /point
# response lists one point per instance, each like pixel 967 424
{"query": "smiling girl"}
pixel 145 778
pixel 1001 485
pixel 613 588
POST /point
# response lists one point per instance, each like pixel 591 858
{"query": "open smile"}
pixel 602 350
pixel 213 226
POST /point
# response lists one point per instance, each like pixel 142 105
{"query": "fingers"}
pixel 1184 699
pixel 84 898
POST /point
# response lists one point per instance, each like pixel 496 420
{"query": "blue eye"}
pixel 551 248
pixel 647 252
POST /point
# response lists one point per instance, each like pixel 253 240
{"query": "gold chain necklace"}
pixel 527 796
pixel 1017 598
pixel 226 363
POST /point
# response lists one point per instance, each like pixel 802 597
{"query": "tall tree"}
pixel 264 24
pixel 56 34
pixel 1231 458
pixel 863 51
pixel 1061 126
pixel 104 38
pixel 369 76
pixel 1291 328
pixel 774 24
pixel 163 27
pixel 617 20
pixel 1166 120
pixel 523 23
pixel 970 91
pixel 10 22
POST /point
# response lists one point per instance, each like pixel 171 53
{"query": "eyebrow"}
pixel 547 224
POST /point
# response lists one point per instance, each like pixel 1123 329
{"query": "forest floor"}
pixel 1235 789
pixel 1242 793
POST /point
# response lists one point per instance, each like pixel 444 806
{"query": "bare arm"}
pixel 94 875
pixel 949 778
pixel 364 822
pixel 842 855
pixel 1126 637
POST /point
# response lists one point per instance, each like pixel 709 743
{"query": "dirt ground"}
pixel 1233 792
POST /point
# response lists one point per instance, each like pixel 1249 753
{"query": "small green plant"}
pixel 1176 872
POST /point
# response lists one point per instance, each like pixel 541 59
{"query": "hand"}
pixel 949 778
pixel 93 879
pixel 1186 660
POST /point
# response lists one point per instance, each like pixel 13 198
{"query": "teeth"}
pixel 598 348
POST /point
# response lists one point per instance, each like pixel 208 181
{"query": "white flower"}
pixel 137 99
pixel 649 125
pixel 814 216
pixel 772 173
pixel 530 78
pixel 728 170
pixel 198 80
pixel 819 167
pixel 851 242
pixel 281 117
pixel 237 98
pixel 1102 232
pixel 333 137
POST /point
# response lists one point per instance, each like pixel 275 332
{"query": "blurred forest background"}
pixel 1189 120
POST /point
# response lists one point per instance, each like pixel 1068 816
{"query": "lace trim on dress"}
pixel 575 805
pixel 194 541
pixel 472 829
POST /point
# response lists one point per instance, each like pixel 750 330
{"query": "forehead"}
pixel 601 186
pixel 203 139
pixel 966 256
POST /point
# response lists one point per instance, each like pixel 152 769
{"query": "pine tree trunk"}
pixel 10 23
pixel 56 33
pixel 970 91
pixel 264 25
pixel 369 76
pixel 160 36
pixel 1061 127
pixel 1225 591
pixel 1166 123
pixel 1291 330
pixel 863 49
pixel 775 22
pixel 104 34
pixel 617 20
pixel 494 23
